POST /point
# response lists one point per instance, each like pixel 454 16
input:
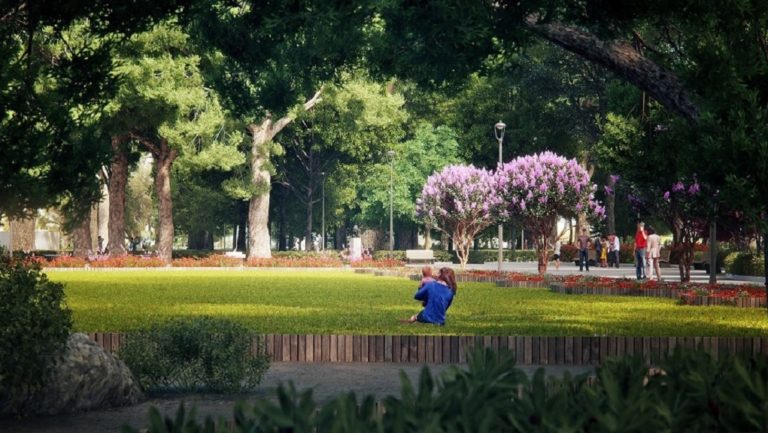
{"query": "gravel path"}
pixel 327 380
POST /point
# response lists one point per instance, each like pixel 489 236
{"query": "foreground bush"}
pixel 195 354
pixel 34 326
pixel 687 392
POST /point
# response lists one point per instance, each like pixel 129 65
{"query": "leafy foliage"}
pixel 204 353
pixel 34 326
pixel 745 264
pixel 686 391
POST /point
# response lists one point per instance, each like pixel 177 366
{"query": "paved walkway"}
pixel 327 381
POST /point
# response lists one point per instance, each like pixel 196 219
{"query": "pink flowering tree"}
pixel 538 188
pixel 685 207
pixel 460 201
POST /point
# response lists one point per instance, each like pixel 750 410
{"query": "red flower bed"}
pixel 725 291
pixel 208 262
pixel 63 262
pixel 303 262
pixel 128 261
pixel 381 263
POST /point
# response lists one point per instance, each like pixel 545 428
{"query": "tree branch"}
pixel 282 123
pixel 621 58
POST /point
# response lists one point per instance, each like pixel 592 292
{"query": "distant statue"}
pixel 356 231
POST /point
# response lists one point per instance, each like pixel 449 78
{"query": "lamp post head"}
pixel 499 130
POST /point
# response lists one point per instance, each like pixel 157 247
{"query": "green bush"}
pixel 482 256
pixel 191 254
pixel 745 264
pixel 440 255
pixel 204 353
pixel 34 327
pixel 305 254
pixel 687 392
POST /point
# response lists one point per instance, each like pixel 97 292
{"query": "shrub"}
pixel 482 256
pixel 688 391
pixel 440 255
pixel 194 254
pixel 208 262
pixel 745 264
pixel 34 327
pixel 204 353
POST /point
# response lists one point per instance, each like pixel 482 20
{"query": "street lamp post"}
pixel 391 155
pixel 498 131
pixel 323 211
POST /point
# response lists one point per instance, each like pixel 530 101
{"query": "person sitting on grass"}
pixel 438 296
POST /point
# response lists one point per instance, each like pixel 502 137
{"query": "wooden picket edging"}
pixel 453 349
pixel 741 302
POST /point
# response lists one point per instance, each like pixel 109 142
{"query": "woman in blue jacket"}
pixel 438 296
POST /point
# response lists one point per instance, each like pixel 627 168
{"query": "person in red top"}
pixel 641 242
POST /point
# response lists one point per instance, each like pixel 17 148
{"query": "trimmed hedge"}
pixel 440 255
pixel 689 391
pixel 745 264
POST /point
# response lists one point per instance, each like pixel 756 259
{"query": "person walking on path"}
pixel 584 242
pixel 654 253
pixel 616 248
pixel 556 254
pixel 438 296
pixel 641 243
pixel 603 252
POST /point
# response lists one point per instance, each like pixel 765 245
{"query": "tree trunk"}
pixel 310 210
pixel 713 252
pixel 259 244
pixel 281 223
pixel 164 157
pixel 258 208
pixel 81 237
pixel 623 59
pixel 427 238
pixel 610 212
pixel 118 179
pixel 22 234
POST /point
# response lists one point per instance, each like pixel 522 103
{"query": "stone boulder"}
pixel 84 378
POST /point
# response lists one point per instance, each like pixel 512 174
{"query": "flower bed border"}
pixel 741 302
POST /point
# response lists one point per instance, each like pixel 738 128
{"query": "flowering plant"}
pixel 461 201
pixel 538 188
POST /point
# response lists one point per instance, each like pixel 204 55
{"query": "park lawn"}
pixel 340 302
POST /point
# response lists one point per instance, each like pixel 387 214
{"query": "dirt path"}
pixel 327 380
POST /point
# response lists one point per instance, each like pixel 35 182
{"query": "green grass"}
pixel 301 302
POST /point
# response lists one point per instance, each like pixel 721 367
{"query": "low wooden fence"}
pixel 454 349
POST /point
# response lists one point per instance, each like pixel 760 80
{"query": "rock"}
pixel 86 378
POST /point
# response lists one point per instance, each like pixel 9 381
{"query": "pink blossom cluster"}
pixel 546 185
pixel 459 194
pixel 679 187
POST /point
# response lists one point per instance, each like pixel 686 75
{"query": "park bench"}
pixel 427 256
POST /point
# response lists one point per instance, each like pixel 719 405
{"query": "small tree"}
pixel 538 188
pixel 685 209
pixel 460 201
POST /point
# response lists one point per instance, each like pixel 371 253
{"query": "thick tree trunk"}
pixel 624 60
pixel 427 238
pixel 22 234
pixel 81 237
pixel 258 207
pixel 610 212
pixel 281 225
pixel 118 179
pixel 164 157
pixel 259 244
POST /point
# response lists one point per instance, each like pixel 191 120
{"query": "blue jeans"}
pixel 583 259
pixel 640 263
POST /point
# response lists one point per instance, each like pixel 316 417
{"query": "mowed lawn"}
pixel 338 302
